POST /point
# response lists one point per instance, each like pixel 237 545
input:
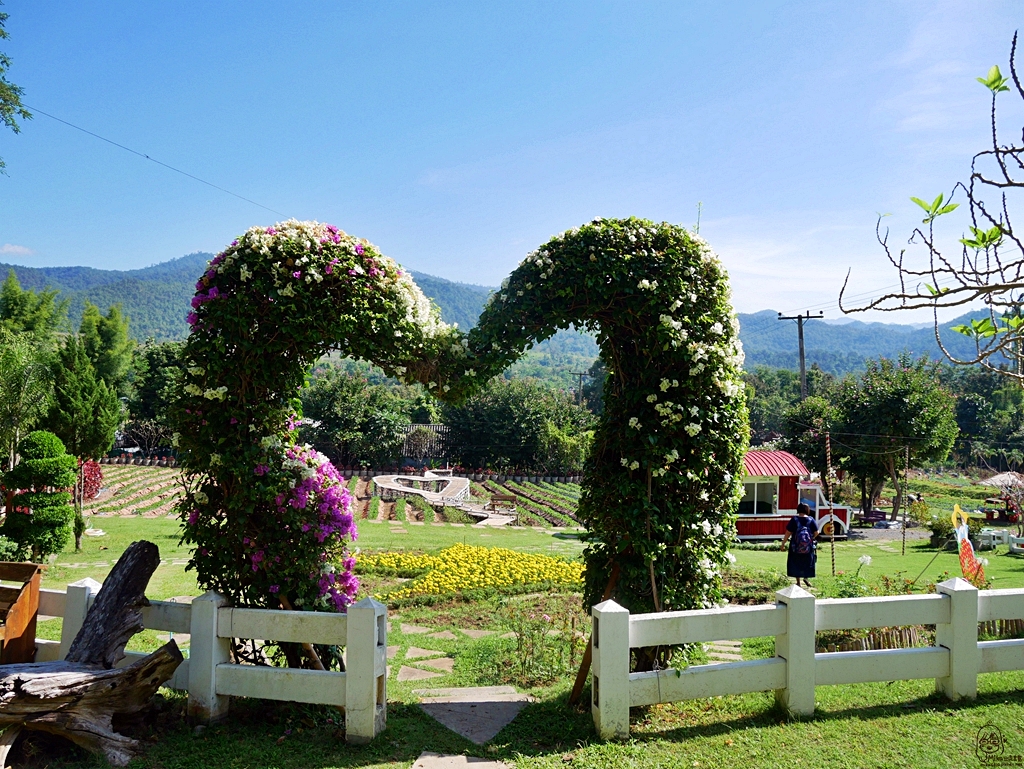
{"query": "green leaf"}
pixel 923 205
pixel 994 81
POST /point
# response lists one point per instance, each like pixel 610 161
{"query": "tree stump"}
pixel 77 698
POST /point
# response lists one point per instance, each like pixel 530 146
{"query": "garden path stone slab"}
pixel 415 653
pixel 447 664
pixel 476 713
pixel 415 674
pixel 430 760
pixel 392 652
pixel 414 629
pixel 444 635
pixel 475 634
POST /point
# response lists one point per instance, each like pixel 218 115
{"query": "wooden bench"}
pixel 872 517
pixel 502 502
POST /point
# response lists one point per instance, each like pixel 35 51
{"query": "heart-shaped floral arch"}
pixel 268 518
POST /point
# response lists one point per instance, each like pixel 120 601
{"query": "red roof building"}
pixel 773 463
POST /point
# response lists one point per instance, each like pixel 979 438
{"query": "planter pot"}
pixel 936 541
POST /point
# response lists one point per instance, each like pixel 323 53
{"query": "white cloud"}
pixel 10 248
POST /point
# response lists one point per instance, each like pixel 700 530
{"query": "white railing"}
pixel 209 675
pixel 793 673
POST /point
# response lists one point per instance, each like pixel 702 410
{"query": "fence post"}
pixel 76 606
pixel 206 652
pixel 366 642
pixel 609 690
pixel 960 637
pixel 796 646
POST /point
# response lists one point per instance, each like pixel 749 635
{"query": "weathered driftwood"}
pixel 77 698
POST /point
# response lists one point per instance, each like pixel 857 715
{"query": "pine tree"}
pixel 85 413
pixel 41 518
pixel 106 342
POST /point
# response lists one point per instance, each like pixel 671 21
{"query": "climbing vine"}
pixel 661 484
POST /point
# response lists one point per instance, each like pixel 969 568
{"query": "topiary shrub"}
pixel 41 522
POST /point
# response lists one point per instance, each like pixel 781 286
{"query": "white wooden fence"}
pixel 211 679
pixel 954 662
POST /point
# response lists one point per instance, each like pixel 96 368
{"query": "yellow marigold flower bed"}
pixel 400 562
pixel 465 567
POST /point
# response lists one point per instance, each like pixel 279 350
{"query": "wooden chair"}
pixel 19 607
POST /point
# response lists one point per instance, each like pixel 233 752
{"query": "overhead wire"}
pixel 154 160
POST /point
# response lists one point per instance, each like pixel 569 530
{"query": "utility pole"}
pixel 579 393
pixel 800 333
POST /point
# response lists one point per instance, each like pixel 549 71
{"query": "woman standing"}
pixel 801 531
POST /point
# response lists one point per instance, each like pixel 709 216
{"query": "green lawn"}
pixel 869 725
pixel 1004 570
pixel 100 553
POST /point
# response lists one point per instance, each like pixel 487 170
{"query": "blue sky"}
pixel 459 136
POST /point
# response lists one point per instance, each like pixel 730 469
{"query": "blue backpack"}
pixel 803 539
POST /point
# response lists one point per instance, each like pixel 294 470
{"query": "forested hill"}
pixel 156 299
pixel 841 348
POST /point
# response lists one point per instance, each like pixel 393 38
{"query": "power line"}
pixel 158 162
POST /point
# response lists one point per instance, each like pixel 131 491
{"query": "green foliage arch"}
pixel 662 481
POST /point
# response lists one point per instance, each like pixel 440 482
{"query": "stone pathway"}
pixel 477 713
pixel 723 651
pixel 430 760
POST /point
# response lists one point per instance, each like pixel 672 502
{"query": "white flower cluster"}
pixel 729 387
pixel 647 285
pixel 216 393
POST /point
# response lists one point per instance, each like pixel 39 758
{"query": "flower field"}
pixel 136 490
pixel 468 567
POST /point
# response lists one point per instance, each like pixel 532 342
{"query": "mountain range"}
pixel 156 300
